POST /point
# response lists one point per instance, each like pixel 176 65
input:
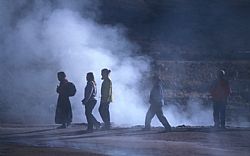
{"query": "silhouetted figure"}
pixel 90 101
pixel 63 108
pixel 106 98
pixel 220 91
pixel 156 101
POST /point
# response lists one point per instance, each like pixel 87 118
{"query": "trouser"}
pixel 89 106
pixel 104 112
pixel 156 110
pixel 219 113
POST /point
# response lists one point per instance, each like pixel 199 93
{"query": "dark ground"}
pixel 47 140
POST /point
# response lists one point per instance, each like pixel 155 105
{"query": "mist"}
pixel 193 114
pixel 40 38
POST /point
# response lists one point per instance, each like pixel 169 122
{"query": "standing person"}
pixel 156 101
pixel 90 101
pixel 63 109
pixel 220 91
pixel 106 98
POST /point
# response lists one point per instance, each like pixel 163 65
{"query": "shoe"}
pixel 146 129
pixel 68 124
pixel 223 127
pixel 62 126
pixel 98 125
pixel 168 129
pixel 89 130
pixel 106 127
pixel 216 125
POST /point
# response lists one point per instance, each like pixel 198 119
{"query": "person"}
pixel 156 101
pixel 106 98
pixel 63 109
pixel 90 101
pixel 220 91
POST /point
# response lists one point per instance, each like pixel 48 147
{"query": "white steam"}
pixel 193 114
pixel 47 38
pixel 86 46
pixel 40 38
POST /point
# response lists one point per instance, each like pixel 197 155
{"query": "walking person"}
pixel 106 98
pixel 90 101
pixel 220 91
pixel 63 109
pixel 156 101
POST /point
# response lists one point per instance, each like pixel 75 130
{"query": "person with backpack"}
pixel 156 101
pixel 90 101
pixel 65 89
pixel 106 98
pixel 220 91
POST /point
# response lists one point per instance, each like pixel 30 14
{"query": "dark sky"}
pixel 179 29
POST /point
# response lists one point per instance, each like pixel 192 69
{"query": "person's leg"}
pixel 222 114
pixel 96 123
pixel 104 112
pixel 88 113
pixel 101 111
pixel 107 116
pixel 61 116
pixel 62 126
pixel 67 112
pixel 149 116
pixel 162 118
pixel 216 114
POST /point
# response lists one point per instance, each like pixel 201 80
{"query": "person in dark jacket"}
pixel 106 98
pixel 156 101
pixel 90 101
pixel 63 109
pixel 220 91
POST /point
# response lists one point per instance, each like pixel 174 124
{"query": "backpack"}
pixel 71 89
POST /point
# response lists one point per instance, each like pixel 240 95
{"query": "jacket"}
pixel 156 95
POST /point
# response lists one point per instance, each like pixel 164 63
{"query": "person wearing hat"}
pixel 220 91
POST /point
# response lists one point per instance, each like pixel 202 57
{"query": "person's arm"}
pixel 161 94
pixel 228 89
pixel 110 92
pixel 151 96
pixel 88 92
pixel 59 89
pixel 212 89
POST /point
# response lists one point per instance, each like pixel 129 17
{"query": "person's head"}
pixel 90 77
pixel 61 76
pixel 105 73
pixel 221 74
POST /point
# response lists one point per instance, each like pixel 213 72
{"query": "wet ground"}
pixel 46 140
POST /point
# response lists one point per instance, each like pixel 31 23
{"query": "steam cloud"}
pixel 40 38
pixel 194 114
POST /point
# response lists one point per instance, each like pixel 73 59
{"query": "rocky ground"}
pixel 46 140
